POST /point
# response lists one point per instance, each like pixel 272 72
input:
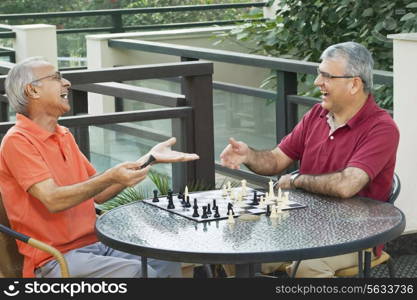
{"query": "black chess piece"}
pixel 216 214
pixel 195 213
pixel 155 196
pixel 195 203
pixel 230 209
pixel 268 211
pixel 170 203
pixel 187 202
pixel 170 194
pixel 255 200
pixel 208 209
pixel 181 197
pixel 214 204
pixel 204 216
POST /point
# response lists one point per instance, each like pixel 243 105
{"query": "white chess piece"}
pixel 274 214
pixel 230 219
pixel 224 191
pixel 244 192
pixel 229 187
pixel 271 190
pixel 186 192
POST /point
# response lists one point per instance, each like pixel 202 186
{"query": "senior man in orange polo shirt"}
pixel 49 187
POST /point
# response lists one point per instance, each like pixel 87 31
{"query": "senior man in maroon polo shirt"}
pixel 346 145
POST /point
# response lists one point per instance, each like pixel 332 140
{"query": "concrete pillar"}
pixel 36 40
pixel 405 107
pixel 99 56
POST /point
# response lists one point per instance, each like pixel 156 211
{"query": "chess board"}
pixel 244 206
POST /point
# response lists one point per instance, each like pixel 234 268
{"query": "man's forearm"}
pixel 262 162
pixel 344 184
pixel 109 193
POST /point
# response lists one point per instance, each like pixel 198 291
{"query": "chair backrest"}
pixel 396 188
pixel 11 261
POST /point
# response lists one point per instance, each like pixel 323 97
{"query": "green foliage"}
pixel 303 29
pixel 161 181
pixel 128 195
pixel 73 45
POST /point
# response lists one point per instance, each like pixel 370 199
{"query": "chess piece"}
pixel 170 203
pixel 230 219
pixel 274 214
pixel 268 210
pixel 214 204
pixel 255 199
pixel 230 209
pixel 224 191
pixel 195 203
pixel 244 191
pixel 181 197
pixel 186 192
pixel 271 190
pixel 187 202
pixel 216 214
pixel 195 213
pixel 155 196
pixel 204 216
pixel 208 209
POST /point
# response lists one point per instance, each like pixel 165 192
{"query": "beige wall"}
pixel 405 110
pixel 201 37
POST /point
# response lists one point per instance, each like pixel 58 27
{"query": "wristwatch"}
pixel 293 178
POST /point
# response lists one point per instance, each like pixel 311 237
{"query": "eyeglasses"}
pixel 55 76
pixel 326 75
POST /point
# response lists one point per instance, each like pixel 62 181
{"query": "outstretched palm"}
pixel 164 154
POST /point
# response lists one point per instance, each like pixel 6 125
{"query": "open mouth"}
pixel 324 94
pixel 64 96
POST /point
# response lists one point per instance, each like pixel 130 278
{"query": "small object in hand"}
pixel 155 196
pixel 150 160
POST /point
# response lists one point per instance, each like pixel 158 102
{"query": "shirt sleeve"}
pixel 24 161
pixel 293 143
pixel 376 149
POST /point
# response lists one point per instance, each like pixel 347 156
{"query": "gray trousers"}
pixel 100 261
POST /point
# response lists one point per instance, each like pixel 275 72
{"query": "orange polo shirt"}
pixel 28 155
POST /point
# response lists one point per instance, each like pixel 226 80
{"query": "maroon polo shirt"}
pixel 368 141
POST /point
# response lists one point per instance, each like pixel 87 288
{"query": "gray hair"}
pixel 358 59
pixel 18 77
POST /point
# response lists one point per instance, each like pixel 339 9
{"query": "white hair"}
pixel 18 77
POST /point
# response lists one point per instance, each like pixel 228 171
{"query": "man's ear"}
pixel 356 85
pixel 31 91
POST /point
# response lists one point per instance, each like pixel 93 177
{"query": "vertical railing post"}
pixel 198 91
pixel 79 106
pixel 4 111
pixel 286 85
pixel 117 22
